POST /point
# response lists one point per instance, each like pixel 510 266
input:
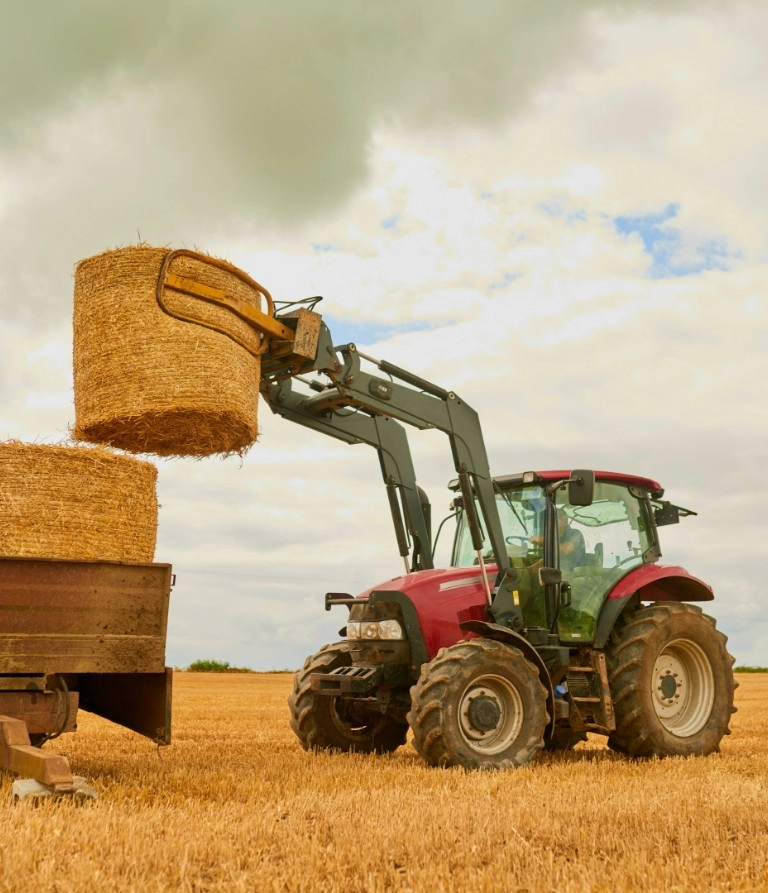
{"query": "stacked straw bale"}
pixel 149 383
pixel 76 502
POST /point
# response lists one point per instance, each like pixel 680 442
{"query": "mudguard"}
pixel 651 583
pixel 661 582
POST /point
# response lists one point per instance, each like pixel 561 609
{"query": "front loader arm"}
pixel 356 406
pixel 359 407
pixel 389 439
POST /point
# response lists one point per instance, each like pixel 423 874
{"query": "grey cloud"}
pixel 175 121
pixel 257 65
pixel 51 51
pixel 264 628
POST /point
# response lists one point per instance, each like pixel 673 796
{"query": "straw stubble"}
pixel 234 804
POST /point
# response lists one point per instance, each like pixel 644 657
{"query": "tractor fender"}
pixel 413 631
pixel 650 583
pixel 661 582
pixel 515 640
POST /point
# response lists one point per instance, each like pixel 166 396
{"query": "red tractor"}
pixel 610 643
pixel 556 617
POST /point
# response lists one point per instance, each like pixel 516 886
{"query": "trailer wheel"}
pixel 321 722
pixel 672 682
pixel 478 704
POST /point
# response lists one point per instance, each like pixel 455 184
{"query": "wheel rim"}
pixel 348 726
pixel 490 714
pixel 683 688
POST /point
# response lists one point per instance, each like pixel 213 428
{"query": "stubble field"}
pixel 235 805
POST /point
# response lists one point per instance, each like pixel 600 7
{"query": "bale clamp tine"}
pixel 265 324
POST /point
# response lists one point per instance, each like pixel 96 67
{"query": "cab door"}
pixel 615 530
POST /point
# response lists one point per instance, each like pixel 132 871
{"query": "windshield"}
pixel 522 516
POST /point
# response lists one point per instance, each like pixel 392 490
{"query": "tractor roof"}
pixel 614 477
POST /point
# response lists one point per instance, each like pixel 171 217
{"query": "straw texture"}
pixel 76 502
pixel 149 383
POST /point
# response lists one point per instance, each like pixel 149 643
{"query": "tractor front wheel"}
pixel 672 683
pixel 478 704
pixel 321 722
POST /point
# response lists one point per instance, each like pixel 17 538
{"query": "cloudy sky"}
pixel 557 209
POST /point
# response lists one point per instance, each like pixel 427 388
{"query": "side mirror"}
pixel 550 575
pixel 667 513
pixel 581 487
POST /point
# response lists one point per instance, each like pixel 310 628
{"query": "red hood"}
pixel 443 598
pixel 424 583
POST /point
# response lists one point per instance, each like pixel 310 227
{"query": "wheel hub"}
pixel 668 686
pixel 682 688
pixel 483 713
pixel 490 714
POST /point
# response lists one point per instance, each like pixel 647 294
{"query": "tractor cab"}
pixel 594 545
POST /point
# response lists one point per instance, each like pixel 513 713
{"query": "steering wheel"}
pixel 509 540
pixel 518 546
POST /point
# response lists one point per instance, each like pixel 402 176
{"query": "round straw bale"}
pixel 76 502
pixel 148 382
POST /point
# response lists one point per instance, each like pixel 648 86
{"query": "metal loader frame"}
pixel 356 406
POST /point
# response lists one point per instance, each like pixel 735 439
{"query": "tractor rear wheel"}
pixel 321 722
pixel 478 704
pixel 672 683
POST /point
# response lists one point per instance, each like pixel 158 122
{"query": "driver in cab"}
pixel 572 548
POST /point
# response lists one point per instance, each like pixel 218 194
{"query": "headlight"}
pixel 374 629
pixel 390 629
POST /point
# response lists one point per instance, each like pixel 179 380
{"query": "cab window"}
pixel 616 536
pixel 522 517
pixel 522 514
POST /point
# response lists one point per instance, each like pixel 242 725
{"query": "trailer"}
pixel 79 634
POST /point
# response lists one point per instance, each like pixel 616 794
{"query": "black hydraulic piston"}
pixel 470 509
pixel 397 519
pixel 421 383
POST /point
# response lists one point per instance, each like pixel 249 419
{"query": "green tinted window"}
pixel 616 539
pixel 522 516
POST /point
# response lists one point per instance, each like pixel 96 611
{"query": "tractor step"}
pixel 591 695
